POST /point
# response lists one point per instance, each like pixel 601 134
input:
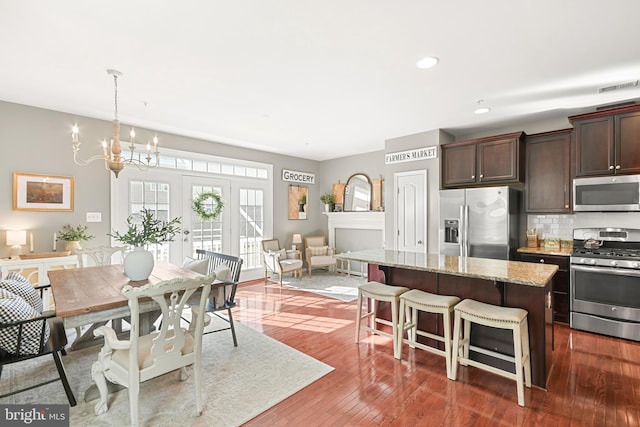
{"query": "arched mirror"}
pixel 357 193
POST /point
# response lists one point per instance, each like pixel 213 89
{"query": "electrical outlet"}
pixel 94 216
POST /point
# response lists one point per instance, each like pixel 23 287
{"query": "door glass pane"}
pixel 154 196
pixel 251 226
pixel 206 235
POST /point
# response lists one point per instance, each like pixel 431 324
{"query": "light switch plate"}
pixel 94 216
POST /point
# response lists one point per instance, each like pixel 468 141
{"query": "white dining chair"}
pixel 141 358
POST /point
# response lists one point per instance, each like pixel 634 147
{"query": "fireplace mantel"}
pixel 356 221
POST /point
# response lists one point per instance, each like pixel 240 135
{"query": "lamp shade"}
pixel 16 237
pixel 297 238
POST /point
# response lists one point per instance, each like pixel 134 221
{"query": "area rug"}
pixel 339 286
pixel 239 383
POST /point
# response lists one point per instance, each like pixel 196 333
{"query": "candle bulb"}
pixel 74 133
pixel 55 238
pixel 31 242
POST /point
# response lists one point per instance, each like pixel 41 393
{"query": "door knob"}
pixel 185 232
pixel 419 242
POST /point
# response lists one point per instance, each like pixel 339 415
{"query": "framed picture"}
pixel 298 202
pixel 33 192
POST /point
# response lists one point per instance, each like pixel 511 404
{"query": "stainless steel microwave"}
pixel 611 193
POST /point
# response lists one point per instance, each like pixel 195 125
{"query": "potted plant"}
pixel 73 236
pixel 328 199
pixel 301 202
pixel 144 229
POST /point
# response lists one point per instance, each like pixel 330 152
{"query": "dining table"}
pixel 93 296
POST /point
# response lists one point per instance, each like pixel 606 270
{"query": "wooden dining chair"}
pixel 140 358
pixel 223 292
pixel 26 333
pixel 101 255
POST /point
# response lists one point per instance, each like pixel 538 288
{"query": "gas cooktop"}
pixel 606 247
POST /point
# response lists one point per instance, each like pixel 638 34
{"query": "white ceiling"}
pixel 318 79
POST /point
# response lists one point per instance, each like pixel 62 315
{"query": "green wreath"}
pixel 205 213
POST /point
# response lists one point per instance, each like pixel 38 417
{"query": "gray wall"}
pixel 339 170
pixel 432 166
pixel 38 141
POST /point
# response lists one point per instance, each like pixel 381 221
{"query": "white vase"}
pixel 73 246
pixel 327 207
pixel 138 264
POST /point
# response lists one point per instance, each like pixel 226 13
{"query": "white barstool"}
pixel 495 317
pixel 416 300
pixel 376 291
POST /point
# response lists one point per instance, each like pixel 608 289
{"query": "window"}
pixel 180 160
pixel 251 226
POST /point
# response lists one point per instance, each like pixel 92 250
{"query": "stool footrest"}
pixel 374 329
pixel 488 368
pixel 492 353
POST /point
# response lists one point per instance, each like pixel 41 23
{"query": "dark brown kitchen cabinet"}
pixel 607 142
pixel 491 160
pixel 458 164
pixel 560 282
pixel 548 172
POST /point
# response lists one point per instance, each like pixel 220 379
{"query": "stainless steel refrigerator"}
pixel 480 222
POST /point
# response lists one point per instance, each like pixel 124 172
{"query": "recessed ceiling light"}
pixel 427 62
pixel 481 109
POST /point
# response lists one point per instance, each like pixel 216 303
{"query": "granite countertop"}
pixel 522 273
pixel 562 251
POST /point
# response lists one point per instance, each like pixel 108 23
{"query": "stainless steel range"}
pixel 605 281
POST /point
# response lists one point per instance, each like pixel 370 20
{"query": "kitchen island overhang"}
pixel 498 282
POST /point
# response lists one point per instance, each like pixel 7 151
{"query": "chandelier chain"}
pixel 115 85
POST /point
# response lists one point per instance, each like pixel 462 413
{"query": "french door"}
pixel 214 235
pixel 245 219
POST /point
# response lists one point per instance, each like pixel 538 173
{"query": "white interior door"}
pixel 212 235
pixel 411 211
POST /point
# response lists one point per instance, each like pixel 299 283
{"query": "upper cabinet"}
pixel 548 177
pixel 607 142
pixel 491 160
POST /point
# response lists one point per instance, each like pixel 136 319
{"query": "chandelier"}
pixel 111 155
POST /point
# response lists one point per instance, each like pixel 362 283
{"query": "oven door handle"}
pixel 605 270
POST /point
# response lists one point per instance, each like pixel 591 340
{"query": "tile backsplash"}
pixel 561 226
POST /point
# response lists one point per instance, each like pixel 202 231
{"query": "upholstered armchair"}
pixel 275 260
pixel 318 254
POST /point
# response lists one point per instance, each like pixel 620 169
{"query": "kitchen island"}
pixel 498 282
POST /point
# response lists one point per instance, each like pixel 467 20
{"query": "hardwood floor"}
pixel 595 380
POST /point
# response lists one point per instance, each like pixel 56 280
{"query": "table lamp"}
pixel 297 239
pixel 15 239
